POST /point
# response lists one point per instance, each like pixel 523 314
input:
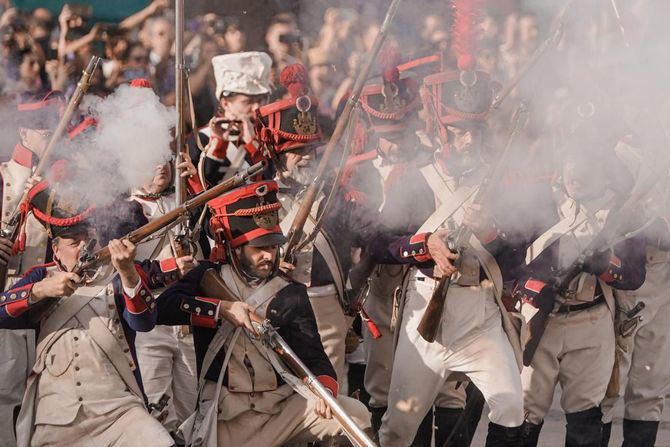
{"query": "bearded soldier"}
pixel 577 348
pixel 476 338
pixel 85 388
pixel 256 400
pixel 399 149
pixel 289 132
pixel 37 117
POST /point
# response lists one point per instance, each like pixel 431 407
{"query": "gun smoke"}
pixel 133 136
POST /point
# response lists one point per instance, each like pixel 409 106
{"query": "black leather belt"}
pixel 567 308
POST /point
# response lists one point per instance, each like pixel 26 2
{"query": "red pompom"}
pixel 294 79
pixel 466 17
pixel 466 62
pixel 389 59
pixel 141 83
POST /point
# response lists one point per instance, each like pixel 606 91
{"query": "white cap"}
pixel 247 73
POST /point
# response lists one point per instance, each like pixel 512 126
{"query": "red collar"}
pixel 23 156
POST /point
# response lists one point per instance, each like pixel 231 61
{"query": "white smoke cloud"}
pixel 133 136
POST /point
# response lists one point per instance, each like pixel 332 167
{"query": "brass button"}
pixel 76 354
pixel 252 406
pixel 126 350
pixel 78 383
pixel 76 368
pixel 80 399
pixel 76 338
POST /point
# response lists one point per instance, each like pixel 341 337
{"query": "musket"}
pixel 181 244
pixel 11 225
pixel 550 42
pixel 458 240
pixel 295 233
pixel 213 285
pixel 180 213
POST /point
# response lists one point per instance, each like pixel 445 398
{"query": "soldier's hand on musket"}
pixel 122 254
pixel 238 313
pixel 439 251
pixel 478 220
pixel 186 263
pixel 5 250
pixel 56 285
pixel 286 267
pixel 322 410
pixel 186 167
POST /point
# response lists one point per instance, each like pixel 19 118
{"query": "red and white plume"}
pixel 467 15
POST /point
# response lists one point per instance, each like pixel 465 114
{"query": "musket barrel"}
pixel 136 236
pixel 296 231
pixel 351 429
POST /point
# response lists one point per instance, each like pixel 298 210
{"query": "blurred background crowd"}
pixel 44 48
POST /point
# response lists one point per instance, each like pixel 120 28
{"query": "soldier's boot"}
pixel 499 436
pixel 639 433
pixel 424 434
pixel 446 420
pixel 531 433
pixel 584 428
pixel 607 431
pixel 476 401
pixel 376 420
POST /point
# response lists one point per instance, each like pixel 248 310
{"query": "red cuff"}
pixel 614 270
pixel 252 148
pixel 417 248
pixel 16 300
pixel 203 311
pixel 527 292
pixel 217 148
pixel 194 184
pixel 142 300
pixel 329 383
pixel 168 265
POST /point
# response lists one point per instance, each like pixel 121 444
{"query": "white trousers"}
pixel 17 355
pixel 644 355
pixel 420 369
pixel 167 363
pixel 333 326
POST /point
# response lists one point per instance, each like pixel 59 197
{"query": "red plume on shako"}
pixel 291 123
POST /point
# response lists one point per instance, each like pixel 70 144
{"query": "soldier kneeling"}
pixel 255 395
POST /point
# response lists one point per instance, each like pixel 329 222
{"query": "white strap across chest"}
pixel 451 201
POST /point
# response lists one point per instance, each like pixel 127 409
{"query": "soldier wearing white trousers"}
pixel 643 354
pixel 421 369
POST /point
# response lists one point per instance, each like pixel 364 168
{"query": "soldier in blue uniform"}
pixel 257 402
pixel 85 388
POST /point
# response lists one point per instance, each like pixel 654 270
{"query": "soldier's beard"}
pixel 462 163
pixel 256 273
